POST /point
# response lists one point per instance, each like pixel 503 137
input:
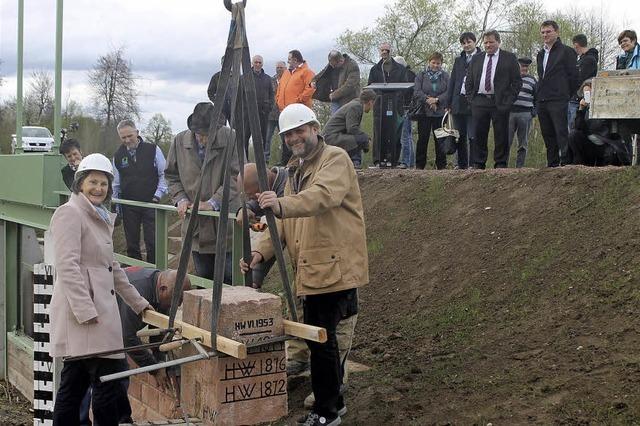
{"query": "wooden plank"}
pixel 225 345
pixel 20 364
pixel 305 331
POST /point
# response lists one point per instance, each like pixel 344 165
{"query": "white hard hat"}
pixel 96 162
pixel 295 115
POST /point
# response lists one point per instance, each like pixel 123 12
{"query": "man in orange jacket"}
pixel 294 88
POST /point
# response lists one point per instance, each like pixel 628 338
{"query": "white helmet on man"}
pixel 96 162
pixel 295 115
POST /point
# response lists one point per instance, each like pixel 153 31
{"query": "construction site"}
pixel 492 297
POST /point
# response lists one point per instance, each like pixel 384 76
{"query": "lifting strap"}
pixel 236 54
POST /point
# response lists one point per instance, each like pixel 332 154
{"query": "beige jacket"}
pixel 182 174
pixel 87 279
pixel 322 223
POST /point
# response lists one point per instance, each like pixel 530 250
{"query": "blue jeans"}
pixel 572 110
pixel 520 123
pixel 407 154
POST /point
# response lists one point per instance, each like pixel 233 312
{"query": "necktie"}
pixel 487 78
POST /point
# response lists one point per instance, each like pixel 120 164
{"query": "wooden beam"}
pixel 305 331
pixel 225 345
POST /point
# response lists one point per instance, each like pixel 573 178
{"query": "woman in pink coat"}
pixel 84 311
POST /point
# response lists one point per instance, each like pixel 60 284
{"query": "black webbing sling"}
pixel 236 53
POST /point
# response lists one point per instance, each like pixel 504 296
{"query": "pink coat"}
pixel 86 282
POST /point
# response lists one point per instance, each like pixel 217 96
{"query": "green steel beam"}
pixel 25 214
pixel 57 108
pixel 20 70
pixel 162 246
pixel 11 254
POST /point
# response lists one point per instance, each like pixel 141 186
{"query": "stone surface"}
pixel 228 391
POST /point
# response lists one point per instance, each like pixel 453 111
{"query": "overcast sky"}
pixel 175 46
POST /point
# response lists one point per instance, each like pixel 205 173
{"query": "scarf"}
pixel 103 213
pixel 434 76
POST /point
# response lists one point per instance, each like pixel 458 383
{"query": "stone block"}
pixel 229 391
pixel 150 396
pixel 135 387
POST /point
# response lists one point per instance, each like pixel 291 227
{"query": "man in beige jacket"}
pixel 184 164
pixel 322 224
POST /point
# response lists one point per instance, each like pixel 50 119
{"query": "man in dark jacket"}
pixel 157 287
pixel 407 153
pixel 587 65
pixel 387 70
pixel 138 169
pixel 338 82
pixel 265 95
pixel 557 81
pixel 343 128
pixel 70 149
pixel 458 105
pixel 492 85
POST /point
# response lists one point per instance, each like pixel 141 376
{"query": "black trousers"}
pixel 484 113
pixel 263 119
pixel 108 398
pixel 426 127
pixel 204 264
pixel 327 310
pixel 553 126
pixel 462 122
pixel 133 218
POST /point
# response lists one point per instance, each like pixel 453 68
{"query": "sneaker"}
pixel 402 166
pixel 314 419
pixel 295 368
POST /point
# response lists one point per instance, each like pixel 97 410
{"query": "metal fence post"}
pixel 162 247
pixel 237 278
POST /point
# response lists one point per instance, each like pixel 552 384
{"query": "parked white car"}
pixel 34 139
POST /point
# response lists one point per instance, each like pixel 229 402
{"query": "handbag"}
pixel 447 136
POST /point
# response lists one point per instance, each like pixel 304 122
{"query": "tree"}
pixel 39 99
pixel 415 28
pixel 114 88
pixel 524 23
pixel 158 131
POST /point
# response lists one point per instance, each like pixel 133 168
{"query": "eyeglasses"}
pixel 384 50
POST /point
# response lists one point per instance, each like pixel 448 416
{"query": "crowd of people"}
pixel 314 193
pixel 486 87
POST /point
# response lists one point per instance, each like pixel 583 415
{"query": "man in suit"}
pixel 456 99
pixel 492 85
pixel 557 80
pixel 387 70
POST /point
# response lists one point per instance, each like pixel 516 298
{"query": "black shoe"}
pixel 314 419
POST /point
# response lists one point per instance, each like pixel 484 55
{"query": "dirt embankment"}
pixel 508 297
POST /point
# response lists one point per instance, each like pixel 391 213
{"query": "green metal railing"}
pixel 162 237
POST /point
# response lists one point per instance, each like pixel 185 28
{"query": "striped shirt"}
pixel 526 97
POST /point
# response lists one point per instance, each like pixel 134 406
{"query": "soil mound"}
pixel 507 296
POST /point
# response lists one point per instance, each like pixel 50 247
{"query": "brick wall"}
pixel 149 403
